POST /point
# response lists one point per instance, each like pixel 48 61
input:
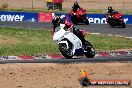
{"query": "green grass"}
pixel 22 41
pixel 103 43
pixel 26 41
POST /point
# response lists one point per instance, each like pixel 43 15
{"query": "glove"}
pixel 74 13
pixel 109 16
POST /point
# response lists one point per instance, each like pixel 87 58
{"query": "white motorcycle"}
pixel 70 45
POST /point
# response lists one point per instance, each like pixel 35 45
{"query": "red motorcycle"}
pixel 79 16
pixel 115 20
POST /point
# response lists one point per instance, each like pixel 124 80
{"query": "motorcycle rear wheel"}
pixel 67 53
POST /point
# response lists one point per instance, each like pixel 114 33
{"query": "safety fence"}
pixel 67 4
pixel 47 17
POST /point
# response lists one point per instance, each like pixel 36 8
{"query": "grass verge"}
pixel 25 41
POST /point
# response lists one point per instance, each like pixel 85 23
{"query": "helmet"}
pixel 56 20
pixel 109 8
pixel 75 4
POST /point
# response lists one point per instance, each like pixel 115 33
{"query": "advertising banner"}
pixel 127 19
pixel 44 17
pixel 47 17
pixel 18 16
pixel 98 18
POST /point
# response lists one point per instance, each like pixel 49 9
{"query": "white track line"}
pixel 112 35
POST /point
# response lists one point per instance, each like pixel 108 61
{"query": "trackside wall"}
pixel 47 17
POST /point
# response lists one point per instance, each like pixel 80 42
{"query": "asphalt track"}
pixel 108 59
pixel 92 28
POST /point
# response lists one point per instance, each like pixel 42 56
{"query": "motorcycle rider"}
pixel 112 13
pixel 110 10
pixel 56 21
pixel 75 7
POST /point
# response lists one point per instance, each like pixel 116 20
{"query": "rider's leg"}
pixel 80 35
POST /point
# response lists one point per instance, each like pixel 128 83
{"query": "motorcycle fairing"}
pixel 77 44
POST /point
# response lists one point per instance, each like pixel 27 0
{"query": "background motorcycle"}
pixel 79 16
pixel 115 20
pixel 70 45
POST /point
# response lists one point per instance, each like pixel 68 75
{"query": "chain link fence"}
pixel 67 4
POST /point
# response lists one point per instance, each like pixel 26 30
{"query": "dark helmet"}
pixel 75 4
pixel 56 20
pixel 110 8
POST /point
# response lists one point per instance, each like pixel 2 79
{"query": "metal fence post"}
pixel 123 4
pixel 32 4
pixel 99 4
pixel 53 4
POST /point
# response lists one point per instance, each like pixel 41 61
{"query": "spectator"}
pixel 57 4
pixel 49 4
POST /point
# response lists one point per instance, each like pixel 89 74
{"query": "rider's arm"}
pixel 79 7
pixel 53 30
pixel 69 29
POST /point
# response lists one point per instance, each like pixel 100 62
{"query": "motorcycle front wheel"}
pixel 74 20
pixel 86 21
pixel 112 25
pixel 90 50
pixel 66 52
pixel 123 24
pixel 110 22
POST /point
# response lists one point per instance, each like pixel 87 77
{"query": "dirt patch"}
pixel 60 75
